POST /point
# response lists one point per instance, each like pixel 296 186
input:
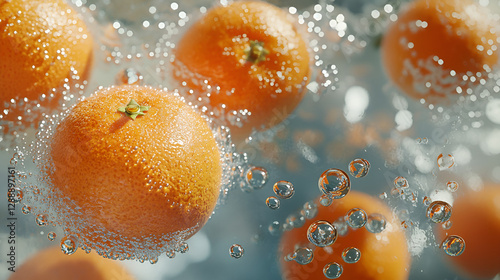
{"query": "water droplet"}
pixel 26 209
pixel 322 233
pixel 69 244
pixel 309 210
pixel 341 226
pixel 325 200
pixel 376 223
pixel 236 251
pixel 153 260
pixel 170 254
pixel 303 256
pixel 274 228
pixel 445 161
pixel 15 195
pixel 359 167
pixel 439 211
pixel 401 183
pixel 257 177
pixel 351 255
pixel 453 245
pixel 283 189
pixel 452 186
pixel 42 220
pixel 273 202
pixel 356 218
pixel 333 270
pixel 183 247
pixel 51 236
pixel 129 76
pixel 334 182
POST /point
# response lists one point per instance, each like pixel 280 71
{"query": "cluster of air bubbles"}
pixel 256 177
pixel 236 251
pixel 335 183
pixel 333 270
pixel 453 245
pixel 351 255
pixel 322 233
pixel 359 167
pixel 356 218
pixel 439 211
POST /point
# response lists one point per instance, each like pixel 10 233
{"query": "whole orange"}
pixel 52 264
pixel 253 52
pixel 42 43
pixel 476 218
pixel 384 255
pixel 151 177
pixel 433 44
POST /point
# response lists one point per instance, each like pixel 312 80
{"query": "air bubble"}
pixel 283 189
pixel 334 182
pixel 236 251
pixel 69 244
pixel 325 200
pixel 376 223
pixel 303 256
pixel 439 211
pixel 129 76
pixel 273 202
pixel 183 247
pixel 170 254
pixel 274 228
pixel 351 255
pixel 42 220
pixel 341 226
pixel 359 167
pixel 401 183
pixel 51 236
pixel 333 270
pixel 452 186
pixel 296 220
pixel 356 218
pixel 26 209
pixel 309 210
pixel 257 177
pixel 445 161
pixel 453 245
pixel 322 233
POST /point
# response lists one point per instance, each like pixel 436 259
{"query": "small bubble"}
pixel 257 177
pixel 452 186
pixel 283 189
pixel 333 270
pixel 322 233
pixel 439 211
pixel 51 236
pixel 129 76
pixel 383 195
pixel 273 202
pixel 236 251
pixel 426 200
pixel 334 182
pixel 401 183
pixel 453 245
pixel 170 254
pixel 296 220
pixel 325 200
pixel 309 210
pixel 69 244
pixel 26 209
pixel 351 255
pixel 183 247
pixel 376 223
pixel 274 228
pixel 42 220
pixel 447 225
pixel 356 218
pixel 341 226
pixel 445 161
pixel 359 167
pixel 303 256
pixel 153 260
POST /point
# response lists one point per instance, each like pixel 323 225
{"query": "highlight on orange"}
pixel 254 60
pixel 438 48
pixel 51 264
pixel 134 170
pixel 45 45
pixel 383 255
pixel 476 218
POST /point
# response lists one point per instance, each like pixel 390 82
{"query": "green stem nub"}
pixel 133 109
pixel 256 52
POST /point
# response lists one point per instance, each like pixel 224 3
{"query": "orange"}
pixel 434 43
pixel 133 179
pixel 42 43
pixel 52 264
pixel 383 255
pixel 254 53
pixel 476 218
